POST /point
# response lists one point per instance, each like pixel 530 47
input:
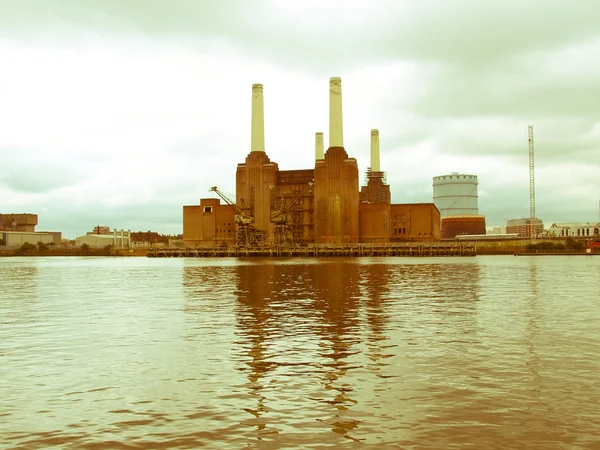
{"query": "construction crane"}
pixel 281 215
pixel 246 234
pixel 532 230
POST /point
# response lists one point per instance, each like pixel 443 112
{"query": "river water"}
pixel 496 352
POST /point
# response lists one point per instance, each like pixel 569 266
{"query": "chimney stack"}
pixel 258 119
pixel 319 151
pixel 336 135
pixel 375 151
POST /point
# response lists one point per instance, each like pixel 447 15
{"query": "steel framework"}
pixel 531 176
pixel 246 234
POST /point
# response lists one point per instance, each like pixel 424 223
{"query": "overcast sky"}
pixel 119 112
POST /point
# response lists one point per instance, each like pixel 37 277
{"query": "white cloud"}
pixel 116 115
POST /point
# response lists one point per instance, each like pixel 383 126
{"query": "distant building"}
pixel 18 229
pixel 18 222
pixel 525 227
pixel 18 238
pixel 100 230
pixel 574 229
pixel 116 238
pixel 496 230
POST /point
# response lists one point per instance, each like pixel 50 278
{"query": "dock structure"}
pixel 405 249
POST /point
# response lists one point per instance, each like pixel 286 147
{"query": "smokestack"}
pixel 336 135
pixel 258 119
pixel 319 151
pixel 375 151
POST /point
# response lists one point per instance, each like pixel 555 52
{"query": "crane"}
pixel 532 229
pixel 246 234
pixel 281 215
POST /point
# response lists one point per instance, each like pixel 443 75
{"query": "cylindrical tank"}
pixel 455 194
pixel 452 226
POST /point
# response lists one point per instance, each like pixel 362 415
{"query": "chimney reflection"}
pixel 337 296
pixel 254 316
pixel 375 284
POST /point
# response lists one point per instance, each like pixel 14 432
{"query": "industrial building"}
pixel 18 229
pixel 102 237
pixel 455 195
pixel 319 205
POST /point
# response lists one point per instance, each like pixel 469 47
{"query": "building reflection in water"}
pixel 337 301
pixel 256 331
pixel 449 341
pixel 374 283
pixel 298 322
pixel 19 291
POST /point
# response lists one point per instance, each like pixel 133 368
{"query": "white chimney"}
pixel 258 119
pixel 319 151
pixel 336 135
pixel 375 151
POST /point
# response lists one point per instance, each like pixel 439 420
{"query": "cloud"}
pixel 127 110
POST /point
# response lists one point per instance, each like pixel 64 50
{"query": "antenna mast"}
pixel 531 183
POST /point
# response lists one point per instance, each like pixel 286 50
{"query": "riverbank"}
pixel 72 252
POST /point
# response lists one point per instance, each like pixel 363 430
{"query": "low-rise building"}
pixel 496 230
pixel 574 229
pixel 17 238
pixel 525 227
pixel 18 229
pixel 116 239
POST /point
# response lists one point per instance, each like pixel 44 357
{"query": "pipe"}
pixel 258 119
pixel 336 135
pixel 375 166
pixel 319 151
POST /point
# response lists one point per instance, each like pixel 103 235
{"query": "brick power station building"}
pixel 320 205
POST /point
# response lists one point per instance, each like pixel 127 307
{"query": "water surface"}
pixel 416 353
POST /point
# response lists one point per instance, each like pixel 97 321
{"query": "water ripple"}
pixel 136 353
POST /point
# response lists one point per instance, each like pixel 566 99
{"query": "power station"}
pixel 318 205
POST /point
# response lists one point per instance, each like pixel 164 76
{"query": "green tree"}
pixel 41 247
pixel 25 248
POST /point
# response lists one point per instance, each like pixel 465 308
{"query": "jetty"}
pixel 318 250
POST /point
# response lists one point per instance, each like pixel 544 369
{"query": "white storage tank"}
pixel 456 194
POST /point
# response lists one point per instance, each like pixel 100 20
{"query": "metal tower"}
pixel 531 182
